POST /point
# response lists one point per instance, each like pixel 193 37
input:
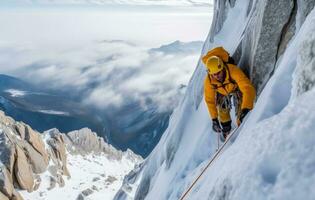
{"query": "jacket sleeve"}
pixel 246 87
pixel 210 98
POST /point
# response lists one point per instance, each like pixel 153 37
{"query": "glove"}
pixel 244 112
pixel 216 125
pixel 226 126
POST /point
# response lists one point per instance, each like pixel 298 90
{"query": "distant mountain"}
pixel 178 47
pixel 135 127
pixel 13 82
pixel 130 126
pixel 43 110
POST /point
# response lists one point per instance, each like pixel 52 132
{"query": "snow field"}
pixel 101 175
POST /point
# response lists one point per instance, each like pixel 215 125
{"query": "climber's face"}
pixel 219 76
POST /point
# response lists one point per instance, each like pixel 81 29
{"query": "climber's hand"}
pixel 216 125
pixel 243 114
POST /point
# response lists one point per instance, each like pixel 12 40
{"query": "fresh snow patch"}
pixel 16 93
pixel 96 175
pixel 54 112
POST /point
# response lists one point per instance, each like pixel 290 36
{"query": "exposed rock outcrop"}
pixel 26 153
pixel 270 27
pixel 84 141
pixel 57 149
pixel 306 65
pixel 6 187
pixel 16 196
pixel 3 197
pixel 22 171
pixel 23 155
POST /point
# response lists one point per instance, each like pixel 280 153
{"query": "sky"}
pixel 111 2
pixel 74 47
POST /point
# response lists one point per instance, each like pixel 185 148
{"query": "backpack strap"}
pixel 212 85
pixel 230 78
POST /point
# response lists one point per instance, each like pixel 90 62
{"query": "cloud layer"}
pixel 108 73
pixel 54 50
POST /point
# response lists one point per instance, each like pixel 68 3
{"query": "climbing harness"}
pixel 210 162
pixel 224 101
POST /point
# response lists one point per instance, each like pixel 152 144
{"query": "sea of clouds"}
pixel 105 57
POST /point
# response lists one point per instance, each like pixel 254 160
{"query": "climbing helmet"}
pixel 214 65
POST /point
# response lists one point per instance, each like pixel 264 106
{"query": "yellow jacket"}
pixel 235 78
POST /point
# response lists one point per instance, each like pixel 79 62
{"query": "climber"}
pixel 225 81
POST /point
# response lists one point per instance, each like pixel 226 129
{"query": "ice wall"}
pixel 273 42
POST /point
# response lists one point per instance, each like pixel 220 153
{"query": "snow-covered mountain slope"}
pixel 54 165
pixel 92 177
pixel 272 157
pixel 120 2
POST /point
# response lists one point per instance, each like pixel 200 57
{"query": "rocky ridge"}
pixel 26 153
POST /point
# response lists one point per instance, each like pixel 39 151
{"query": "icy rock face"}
pixel 219 16
pixel 271 25
pixel 304 7
pixel 306 64
pixel 259 48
